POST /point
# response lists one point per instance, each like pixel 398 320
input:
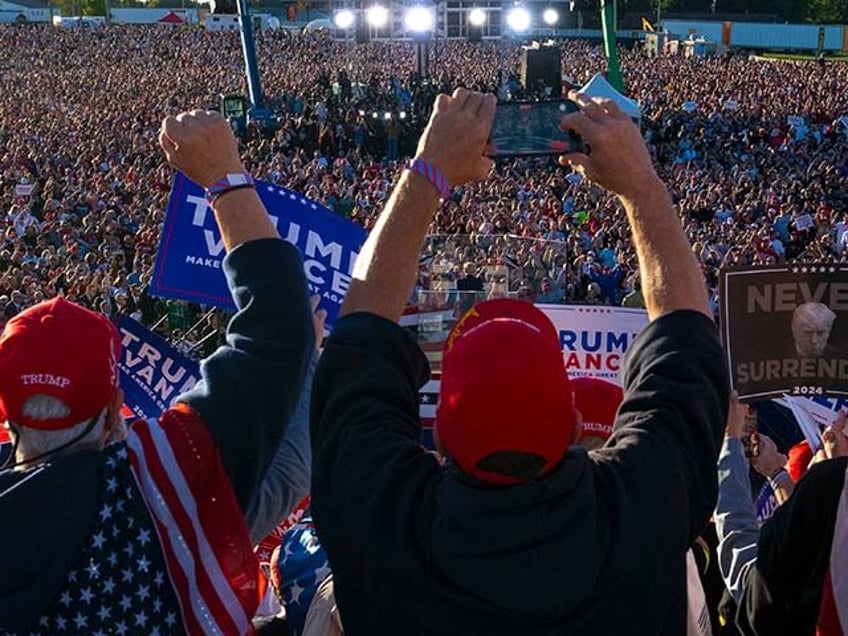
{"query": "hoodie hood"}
pixel 539 546
pixel 46 515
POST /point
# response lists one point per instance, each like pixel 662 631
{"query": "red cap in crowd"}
pixel 504 389
pixel 60 349
pixel 800 457
pixel 598 402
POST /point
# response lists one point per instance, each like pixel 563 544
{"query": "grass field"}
pixel 799 57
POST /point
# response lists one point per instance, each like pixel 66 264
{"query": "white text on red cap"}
pixel 45 378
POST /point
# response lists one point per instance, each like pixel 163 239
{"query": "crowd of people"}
pixel 739 161
pixel 79 106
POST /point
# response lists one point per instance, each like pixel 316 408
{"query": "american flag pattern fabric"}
pixel 5 446
pixel 428 400
pixel 303 567
pixel 169 552
pixel 119 585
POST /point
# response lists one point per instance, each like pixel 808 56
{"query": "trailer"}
pixel 224 22
pixel 154 16
pixel 13 12
pixel 75 21
pixel 763 35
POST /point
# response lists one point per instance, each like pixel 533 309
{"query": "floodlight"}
pixel 344 19
pixel 402 114
pixel 419 19
pixel 387 115
pixel 477 17
pixel 375 114
pixel 377 16
pixel 518 19
pixel 550 16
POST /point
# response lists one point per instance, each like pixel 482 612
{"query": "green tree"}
pixel 64 7
pixel 828 11
pixel 93 7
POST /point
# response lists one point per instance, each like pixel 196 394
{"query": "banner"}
pixel 813 415
pixel 804 222
pixel 153 373
pixel 766 503
pixel 188 264
pixel 594 338
pixel 785 330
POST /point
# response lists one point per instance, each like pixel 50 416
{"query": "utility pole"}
pixel 258 111
pixel 609 23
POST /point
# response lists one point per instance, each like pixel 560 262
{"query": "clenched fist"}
pixel 456 136
pixel 201 145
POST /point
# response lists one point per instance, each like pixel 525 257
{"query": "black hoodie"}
pixel 595 547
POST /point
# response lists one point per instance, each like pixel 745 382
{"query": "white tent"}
pixel 321 24
pixel 598 86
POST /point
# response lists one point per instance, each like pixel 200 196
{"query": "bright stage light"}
pixel 344 19
pixel 477 17
pixel 518 19
pixel 550 16
pixel 419 19
pixel 377 16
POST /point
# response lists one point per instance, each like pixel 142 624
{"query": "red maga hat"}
pixel 598 402
pixel 504 388
pixel 60 349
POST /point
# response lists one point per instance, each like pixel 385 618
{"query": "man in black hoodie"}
pixel 520 532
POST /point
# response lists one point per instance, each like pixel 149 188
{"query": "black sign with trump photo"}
pixel 785 329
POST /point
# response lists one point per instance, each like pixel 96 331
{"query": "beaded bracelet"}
pixel 230 182
pixel 432 174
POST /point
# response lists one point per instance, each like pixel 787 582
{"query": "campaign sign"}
pixel 785 329
pixel 153 373
pixel 188 264
pixel 595 338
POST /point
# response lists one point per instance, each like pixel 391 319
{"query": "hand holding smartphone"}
pixel 525 129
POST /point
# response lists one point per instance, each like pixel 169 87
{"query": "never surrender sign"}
pixel 785 329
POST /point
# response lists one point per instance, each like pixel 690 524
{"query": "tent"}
pixel 321 24
pixel 598 86
pixel 171 18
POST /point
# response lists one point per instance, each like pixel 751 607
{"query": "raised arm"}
pixel 452 146
pixel 669 427
pixel 619 161
pixel 251 385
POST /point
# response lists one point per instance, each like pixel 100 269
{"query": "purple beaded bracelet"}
pixel 432 174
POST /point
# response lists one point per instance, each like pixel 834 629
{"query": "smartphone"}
pixel 523 129
pixel 751 445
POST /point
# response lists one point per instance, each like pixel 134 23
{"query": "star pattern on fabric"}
pixel 119 584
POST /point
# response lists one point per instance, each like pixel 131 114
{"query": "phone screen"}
pixel 532 128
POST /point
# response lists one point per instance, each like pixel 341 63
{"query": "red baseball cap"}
pixel 504 388
pixel 598 402
pixel 60 349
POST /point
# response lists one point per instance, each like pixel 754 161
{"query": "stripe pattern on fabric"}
pixel 199 524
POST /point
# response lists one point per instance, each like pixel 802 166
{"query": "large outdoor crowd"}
pixel 617 483
pixel 80 108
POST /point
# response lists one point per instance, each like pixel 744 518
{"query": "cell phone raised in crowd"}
pixel 532 129
pixel 751 444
